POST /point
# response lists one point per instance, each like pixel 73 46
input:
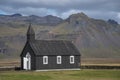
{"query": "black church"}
pixel 49 54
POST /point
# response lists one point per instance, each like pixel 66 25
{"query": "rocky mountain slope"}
pixel 93 37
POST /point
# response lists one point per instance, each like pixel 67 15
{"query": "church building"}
pixel 49 54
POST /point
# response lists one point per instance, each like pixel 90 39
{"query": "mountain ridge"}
pixel 95 38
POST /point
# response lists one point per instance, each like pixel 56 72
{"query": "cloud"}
pixel 103 9
pixel 118 17
pixel 64 4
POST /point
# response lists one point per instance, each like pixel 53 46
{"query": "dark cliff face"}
pixel 93 37
pixel 113 22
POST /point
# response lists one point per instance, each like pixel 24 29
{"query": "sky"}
pixel 99 9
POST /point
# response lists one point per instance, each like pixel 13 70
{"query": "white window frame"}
pixel 59 60
pixel 45 59
pixel 72 59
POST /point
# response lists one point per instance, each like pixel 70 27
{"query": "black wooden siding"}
pixel 52 63
pixel 37 61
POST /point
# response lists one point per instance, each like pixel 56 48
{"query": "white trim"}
pixel 27 62
pixel 72 59
pixel 24 63
pixel 59 59
pixel 58 69
pixel 28 56
pixel 45 59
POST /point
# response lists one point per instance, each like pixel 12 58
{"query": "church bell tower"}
pixel 30 34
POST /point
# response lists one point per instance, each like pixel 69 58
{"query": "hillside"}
pixel 93 37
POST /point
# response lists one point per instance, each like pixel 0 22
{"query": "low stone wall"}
pixel 99 67
pixel 9 68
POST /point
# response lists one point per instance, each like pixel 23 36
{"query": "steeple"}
pixel 30 33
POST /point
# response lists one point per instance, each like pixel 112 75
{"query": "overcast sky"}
pixel 100 9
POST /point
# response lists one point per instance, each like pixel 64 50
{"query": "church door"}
pixel 27 62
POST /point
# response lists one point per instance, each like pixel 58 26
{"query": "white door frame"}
pixel 27 62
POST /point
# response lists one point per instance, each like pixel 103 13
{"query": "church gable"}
pixel 26 49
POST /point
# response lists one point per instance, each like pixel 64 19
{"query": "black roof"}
pixel 53 47
pixel 30 30
pixel 50 47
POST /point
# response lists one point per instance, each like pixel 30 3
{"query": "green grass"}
pixel 62 75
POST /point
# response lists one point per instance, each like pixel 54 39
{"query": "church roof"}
pixel 53 47
pixel 30 30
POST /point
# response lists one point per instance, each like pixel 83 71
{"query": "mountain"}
pixel 46 20
pixel 113 22
pixel 95 38
pixel 16 15
pixel 15 19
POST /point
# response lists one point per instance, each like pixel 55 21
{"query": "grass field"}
pixel 9 62
pixel 62 75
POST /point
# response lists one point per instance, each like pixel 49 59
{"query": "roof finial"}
pixel 29 25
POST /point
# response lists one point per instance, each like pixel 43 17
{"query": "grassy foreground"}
pixel 62 75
